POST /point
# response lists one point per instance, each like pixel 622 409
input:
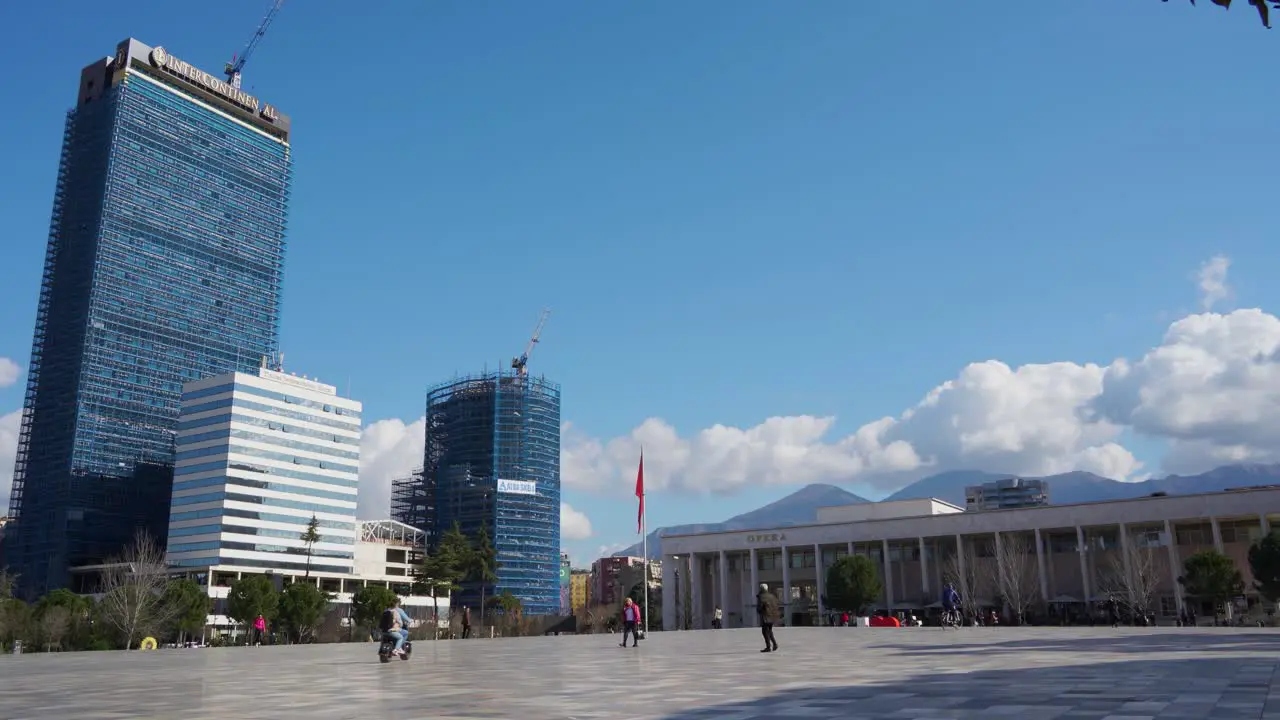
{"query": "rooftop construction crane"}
pixel 236 65
pixel 521 363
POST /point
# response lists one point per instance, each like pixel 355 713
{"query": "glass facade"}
pixel 163 266
pixel 480 430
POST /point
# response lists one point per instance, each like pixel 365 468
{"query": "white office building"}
pixel 257 457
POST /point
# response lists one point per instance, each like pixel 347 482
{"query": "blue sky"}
pixel 736 211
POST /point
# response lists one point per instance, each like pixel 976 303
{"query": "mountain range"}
pixel 801 506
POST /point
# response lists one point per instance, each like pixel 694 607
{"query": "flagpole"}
pixel 644 529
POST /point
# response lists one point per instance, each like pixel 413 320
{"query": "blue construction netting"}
pixel 482 429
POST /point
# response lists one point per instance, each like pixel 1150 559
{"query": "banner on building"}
pixel 518 487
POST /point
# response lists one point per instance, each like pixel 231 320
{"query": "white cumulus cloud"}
pixel 9 372
pixel 8 451
pixel 1028 420
pixel 1211 387
pixel 389 449
pixel 1212 280
pixel 574 524
pixel 609 550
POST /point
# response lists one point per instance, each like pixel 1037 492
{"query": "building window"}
pixel 1241 532
pixel 768 560
pixel 1195 534
pixel 801 560
pixel 829 556
pixel 1146 538
pixel 1059 544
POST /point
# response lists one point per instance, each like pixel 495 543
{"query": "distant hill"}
pixel 1078 487
pixel 801 506
pixel 797 508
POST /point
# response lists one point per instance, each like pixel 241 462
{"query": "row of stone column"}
pixel 784 593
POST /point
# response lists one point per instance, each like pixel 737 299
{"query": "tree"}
pixel 433 576
pixel 455 554
pixel 310 536
pixel 1264 562
pixel 63 614
pixel 653 603
pixel 15 622
pixel 1016 575
pixel 511 609
pixel 483 565
pixel 54 622
pixel 369 603
pixel 7 581
pixel 1264 13
pixel 442 570
pixel 1132 579
pixel 1210 575
pixel 508 603
pixel 132 585
pixel 301 607
pixel 191 606
pixel 250 597
pixel 853 584
pixel 962 569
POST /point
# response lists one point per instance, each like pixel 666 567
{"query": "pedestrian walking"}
pixel 630 619
pixel 466 622
pixel 259 630
pixel 767 609
pixel 717 620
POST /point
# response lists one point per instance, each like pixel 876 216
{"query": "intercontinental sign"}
pixel 160 58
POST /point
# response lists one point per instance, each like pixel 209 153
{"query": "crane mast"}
pixel 236 66
pixel 521 364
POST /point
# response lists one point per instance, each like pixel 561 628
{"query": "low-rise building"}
pixel 383 555
pixel 579 580
pixel 1006 494
pixel 1071 556
pixel 613 578
pixel 566 573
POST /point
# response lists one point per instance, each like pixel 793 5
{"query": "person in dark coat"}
pixel 767 609
pixel 1113 610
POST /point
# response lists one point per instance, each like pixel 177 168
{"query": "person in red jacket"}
pixel 630 619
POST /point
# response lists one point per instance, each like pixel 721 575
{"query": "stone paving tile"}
pixel 851 674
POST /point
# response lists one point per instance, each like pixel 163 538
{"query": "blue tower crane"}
pixel 520 364
pixel 236 65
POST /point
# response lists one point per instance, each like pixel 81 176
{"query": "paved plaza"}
pixel 852 674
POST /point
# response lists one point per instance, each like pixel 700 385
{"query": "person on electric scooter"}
pixel 395 622
pixel 951 601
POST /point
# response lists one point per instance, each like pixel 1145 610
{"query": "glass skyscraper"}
pixel 492 460
pixel 164 263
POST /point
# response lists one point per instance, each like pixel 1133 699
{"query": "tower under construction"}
pixel 492 460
